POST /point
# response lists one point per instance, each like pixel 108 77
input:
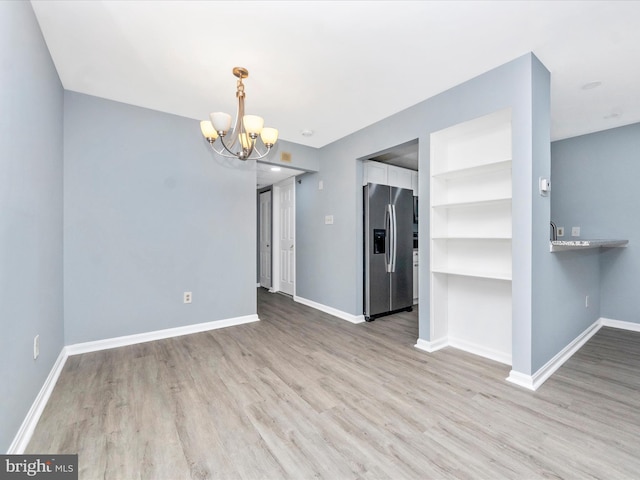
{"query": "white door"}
pixel 265 239
pixel 285 229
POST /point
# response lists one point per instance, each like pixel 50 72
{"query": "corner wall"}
pixel 149 213
pixel 31 162
pixel 594 186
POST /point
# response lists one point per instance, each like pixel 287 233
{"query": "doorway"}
pixel 397 167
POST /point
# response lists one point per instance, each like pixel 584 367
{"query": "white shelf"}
pixel 478 203
pixel 469 273
pixel 473 171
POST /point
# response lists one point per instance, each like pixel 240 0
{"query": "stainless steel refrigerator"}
pixel 388 250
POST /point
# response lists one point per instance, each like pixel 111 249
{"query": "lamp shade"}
pixel 207 130
pixel 269 136
pixel 221 121
pixel 253 124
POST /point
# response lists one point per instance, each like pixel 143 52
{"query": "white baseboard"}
pixel 631 326
pixel 533 382
pixel 431 346
pixel 480 350
pixel 330 310
pixel 23 437
pixel 522 380
pixel 465 346
pixel 116 342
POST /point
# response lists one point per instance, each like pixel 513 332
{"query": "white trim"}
pixel 631 326
pixel 465 346
pixel 533 382
pixel 431 347
pixel 275 239
pixel 480 350
pixel 330 310
pixel 115 342
pixel 522 380
pixel 23 437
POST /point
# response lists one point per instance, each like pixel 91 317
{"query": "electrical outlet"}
pixel 328 219
pixel 187 297
pixel 575 231
pixel 36 346
pixel 560 231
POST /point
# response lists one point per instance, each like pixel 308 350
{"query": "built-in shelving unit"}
pixel 471 272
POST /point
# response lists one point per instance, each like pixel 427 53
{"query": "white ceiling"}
pixel 336 67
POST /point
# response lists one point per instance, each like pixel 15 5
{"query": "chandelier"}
pixel 241 141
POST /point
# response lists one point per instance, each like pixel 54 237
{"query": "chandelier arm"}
pixel 229 147
pixel 230 154
pixel 243 154
pixel 260 155
pixel 222 152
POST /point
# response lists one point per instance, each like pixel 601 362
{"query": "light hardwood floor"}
pixel 302 395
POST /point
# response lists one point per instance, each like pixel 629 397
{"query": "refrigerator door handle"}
pixel 394 238
pixel 388 222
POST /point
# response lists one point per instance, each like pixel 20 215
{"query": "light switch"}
pixel 328 220
pixel 320 185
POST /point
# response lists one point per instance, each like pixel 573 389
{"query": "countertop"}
pixel 562 245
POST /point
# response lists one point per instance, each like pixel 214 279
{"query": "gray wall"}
pixel 31 102
pixel 329 268
pixel 149 213
pixel 594 186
